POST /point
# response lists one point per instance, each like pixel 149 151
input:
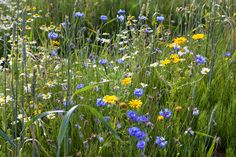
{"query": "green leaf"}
pixel 211 150
pixel 63 128
pixel 7 139
pixel 203 134
pixel 32 120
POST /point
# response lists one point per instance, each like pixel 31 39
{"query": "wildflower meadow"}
pixel 117 78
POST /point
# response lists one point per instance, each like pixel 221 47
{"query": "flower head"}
pixel 126 81
pixel 142 18
pixel 135 103
pixel 133 131
pixel 121 12
pixel 140 134
pixel 143 118
pixel 228 54
pixel 198 36
pixel 164 62
pixel 79 14
pixel 175 58
pixel 166 113
pixel 120 18
pixel 138 92
pixel 160 18
pixel 111 99
pixel 204 71
pixel 200 59
pixel 132 115
pixel 52 35
pixel 80 86
pixel 141 144
pixel 100 102
pixel 161 142
pixel 195 111
pixel 160 118
pixel 103 18
pixel 180 41
pixel 103 61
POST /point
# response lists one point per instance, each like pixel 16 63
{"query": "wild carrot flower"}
pixel 111 99
pixel 126 81
pixel 135 103
pixel 198 36
pixel 204 71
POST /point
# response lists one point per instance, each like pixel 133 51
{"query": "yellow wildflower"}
pixel 111 99
pixel 164 62
pixel 126 81
pixel 135 103
pixel 180 40
pixel 178 108
pixel 198 36
pixel 175 58
pixel 160 118
pixel 123 105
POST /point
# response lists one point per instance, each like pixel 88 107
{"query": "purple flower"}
pixel 142 18
pixel 121 12
pixel 140 134
pixel 79 14
pixel 120 18
pixel 161 142
pixel 228 54
pixel 103 61
pixel 100 102
pixel 143 119
pixel 132 115
pixel 160 18
pixel 195 111
pixel 133 131
pixel 138 92
pixel 103 18
pixel 100 139
pixel 120 61
pixel 200 59
pixel 141 144
pixel 53 53
pixel 166 113
pixel 107 118
pixel 148 73
pixel 80 86
pixel 52 35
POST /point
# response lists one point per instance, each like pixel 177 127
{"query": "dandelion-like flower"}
pixel 180 41
pixel 175 58
pixel 135 103
pixel 111 99
pixel 161 142
pixel 160 118
pixel 164 62
pixel 198 36
pixel 166 113
pixel 126 81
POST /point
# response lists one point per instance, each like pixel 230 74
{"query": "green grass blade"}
pixel 6 138
pixel 211 150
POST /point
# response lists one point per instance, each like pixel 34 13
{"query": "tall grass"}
pixel 50 88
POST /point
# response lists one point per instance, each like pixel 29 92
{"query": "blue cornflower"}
pixel 107 118
pixel 132 115
pixel 120 18
pixel 121 12
pixel 103 18
pixel 53 53
pixel 140 134
pixel 142 18
pixel 100 102
pixel 148 73
pixel 228 54
pixel 161 142
pixel 79 14
pixel 166 113
pixel 141 144
pixel 138 92
pixel 160 18
pixel 200 59
pixel 52 35
pixel 103 61
pixel 80 86
pixel 100 139
pixel 143 119
pixel 120 61
pixel 133 131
